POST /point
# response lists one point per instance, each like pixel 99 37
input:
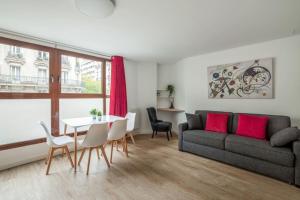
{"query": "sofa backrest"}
pixel 275 123
pixel 203 114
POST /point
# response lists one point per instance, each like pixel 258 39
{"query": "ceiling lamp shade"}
pixel 95 8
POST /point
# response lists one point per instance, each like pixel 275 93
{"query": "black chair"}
pixel 158 125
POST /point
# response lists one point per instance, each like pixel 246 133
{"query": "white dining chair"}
pixel 117 133
pixel 130 125
pixel 95 138
pixel 54 143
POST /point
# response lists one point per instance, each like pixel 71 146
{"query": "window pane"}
pixel 73 108
pixel 107 105
pixel 79 75
pixel 20 70
pixel 108 77
pixel 19 119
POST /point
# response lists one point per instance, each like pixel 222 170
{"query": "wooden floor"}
pixel 155 169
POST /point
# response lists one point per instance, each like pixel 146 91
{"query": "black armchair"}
pixel 158 125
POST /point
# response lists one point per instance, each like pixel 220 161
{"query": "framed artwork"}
pixel 243 80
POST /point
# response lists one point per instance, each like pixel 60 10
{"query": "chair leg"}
pixel 68 155
pixel 132 139
pixel 97 150
pixel 171 133
pixel 81 156
pixel 62 152
pixel 47 158
pixel 156 133
pixel 168 135
pixel 111 151
pixel 152 134
pixel 126 147
pixel 123 143
pixel 89 160
pixel 104 155
pixel 50 160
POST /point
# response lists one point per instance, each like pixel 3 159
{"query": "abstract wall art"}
pixel 243 80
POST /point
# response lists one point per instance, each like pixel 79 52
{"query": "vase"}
pixel 94 117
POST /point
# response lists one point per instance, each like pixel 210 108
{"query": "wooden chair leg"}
pixel 89 160
pixel 62 152
pixel 152 134
pixel 111 151
pixel 123 144
pixel 103 147
pixel 156 133
pixel 126 147
pixel 68 155
pixel 104 155
pixel 81 156
pixel 168 135
pixel 48 155
pixel 171 133
pixel 97 150
pixel 132 139
pixel 50 160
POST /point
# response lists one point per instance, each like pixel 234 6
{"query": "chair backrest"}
pixel 152 114
pixel 117 130
pixel 130 121
pixel 96 135
pixel 48 134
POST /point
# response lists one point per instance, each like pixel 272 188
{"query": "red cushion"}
pixel 252 126
pixel 217 122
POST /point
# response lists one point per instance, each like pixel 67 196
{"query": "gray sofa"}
pixel 282 163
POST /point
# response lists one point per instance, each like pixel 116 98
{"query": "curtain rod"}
pixel 58 45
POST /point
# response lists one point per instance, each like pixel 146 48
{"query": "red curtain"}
pixel 118 96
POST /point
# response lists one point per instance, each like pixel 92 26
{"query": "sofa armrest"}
pixel 181 128
pixel 296 150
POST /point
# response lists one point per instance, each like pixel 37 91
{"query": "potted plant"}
pixel 94 113
pixel 99 114
pixel 171 90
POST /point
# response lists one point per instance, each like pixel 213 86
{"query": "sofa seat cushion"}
pixel 203 137
pixel 260 149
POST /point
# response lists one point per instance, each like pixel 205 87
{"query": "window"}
pixel 64 77
pixel 108 77
pixel 15 50
pixel 15 72
pixel 42 55
pixel 43 83
pixel 81 75
pixel 42 75
pixel 20 70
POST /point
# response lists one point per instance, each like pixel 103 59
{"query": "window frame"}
pixel 54 92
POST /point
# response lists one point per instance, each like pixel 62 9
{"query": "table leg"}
pixel 75 149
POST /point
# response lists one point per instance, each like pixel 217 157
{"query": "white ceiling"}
pixel 156 30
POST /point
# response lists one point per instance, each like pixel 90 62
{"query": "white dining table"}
pixel 76 123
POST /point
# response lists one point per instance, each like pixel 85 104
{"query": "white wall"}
pixel 170 74
pixel 192 79
pixel 146 93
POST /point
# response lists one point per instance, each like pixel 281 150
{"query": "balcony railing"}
pixel 68 82
pixel 16 55
pixel 42 58
pixel 10 79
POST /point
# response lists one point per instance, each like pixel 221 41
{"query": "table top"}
pixel 86 121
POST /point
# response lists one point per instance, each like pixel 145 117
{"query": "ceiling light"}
pixel 95 8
